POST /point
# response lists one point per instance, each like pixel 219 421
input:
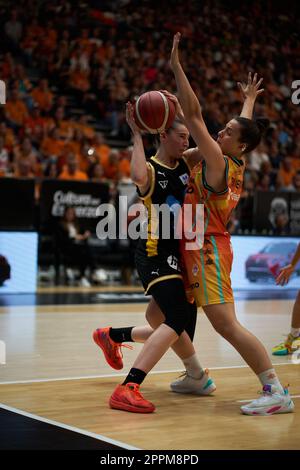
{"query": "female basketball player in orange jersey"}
pixel 216 182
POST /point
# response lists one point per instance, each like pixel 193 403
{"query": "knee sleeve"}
pixel 170 297
pixel 190 327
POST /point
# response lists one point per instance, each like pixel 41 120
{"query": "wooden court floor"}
pixel 53 370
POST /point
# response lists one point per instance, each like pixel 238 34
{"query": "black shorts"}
pixel 153 269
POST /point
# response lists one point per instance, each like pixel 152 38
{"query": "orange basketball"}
pixel 154 112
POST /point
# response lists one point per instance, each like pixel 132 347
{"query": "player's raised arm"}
pixel 208 147
pixel 139 170
pixel 191 155
pixel 250 92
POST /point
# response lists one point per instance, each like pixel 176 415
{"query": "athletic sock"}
pixel 193 367
pixel 295 332
pixel 120 334
pixel 270 377
pixel 136 376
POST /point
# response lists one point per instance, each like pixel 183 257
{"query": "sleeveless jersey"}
pixel 217 205
pixel 206 271
pixel 168 187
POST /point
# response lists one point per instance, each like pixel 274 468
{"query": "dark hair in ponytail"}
pixel 252 131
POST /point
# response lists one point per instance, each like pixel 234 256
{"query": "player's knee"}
pixel 226 328
pixel 154 320
pixel 178 320
pixel 178 327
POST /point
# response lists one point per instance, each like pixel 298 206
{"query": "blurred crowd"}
pixel 104 56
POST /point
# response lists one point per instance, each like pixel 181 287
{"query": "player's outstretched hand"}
pixel 174 59
pixel 130 118
pixel 174 98
pixel 284 275
pixel 251 90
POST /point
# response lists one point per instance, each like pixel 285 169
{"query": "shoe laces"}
pixel 268 392
pixel 118 350
pixel 135 388
pixel 183 374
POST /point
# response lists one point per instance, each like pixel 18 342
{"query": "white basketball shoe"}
pixel 187 384
pixel 271 402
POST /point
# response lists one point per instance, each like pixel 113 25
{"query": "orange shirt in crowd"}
pixel 296 163
pixel 79 80
pixel 124 167
pixel 111 172
pixel 43 98
pixel 88 131
pixel 286 177
pixel 33 124
pixel 103 151
pixel 78 175
pixel 52 146
pixel 16 111
pixel 9 139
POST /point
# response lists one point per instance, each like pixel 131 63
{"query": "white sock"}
pixel 193 367
pixel 295 332
pixel 270 377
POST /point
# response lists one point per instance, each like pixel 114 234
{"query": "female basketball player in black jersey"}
pixel 161 180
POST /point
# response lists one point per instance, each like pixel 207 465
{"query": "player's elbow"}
pixel 194 112
pixel 139 179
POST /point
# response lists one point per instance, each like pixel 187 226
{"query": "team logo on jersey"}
pixel 163 184
pixel 195 270
pixel 173 263
pixel 155 272
pixel 234 196
pixel 184 178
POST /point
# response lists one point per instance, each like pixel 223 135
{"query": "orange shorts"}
pixel 207 271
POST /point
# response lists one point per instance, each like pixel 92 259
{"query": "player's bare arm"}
pixel 140 171
pixel 193 114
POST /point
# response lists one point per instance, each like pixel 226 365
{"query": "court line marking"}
pixel 98 437
pixel 247 401
pixel 109 376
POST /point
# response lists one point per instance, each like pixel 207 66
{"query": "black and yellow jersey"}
pixel 167 188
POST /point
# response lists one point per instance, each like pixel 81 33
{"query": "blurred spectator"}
pixel 111 165
pixel 101 147
pixel 97 173
pixel 296 183
pixel 71 171
pixel 52 145
pixel 43 96
pixel 23 169
pixel 73 244
pixel 15 111
pixel 4 159
pixel 26 153
pixel 13 28
pixel 286 172
pixel 51 170
pixel 281 225
pixel 258 157
pixel 264 182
